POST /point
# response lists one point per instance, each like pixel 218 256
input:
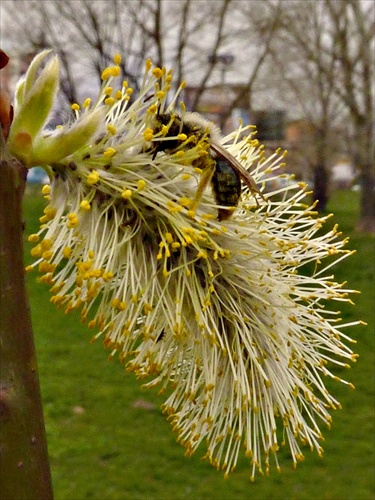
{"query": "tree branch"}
pixel 24 466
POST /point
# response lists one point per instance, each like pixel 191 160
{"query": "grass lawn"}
pixel 109 440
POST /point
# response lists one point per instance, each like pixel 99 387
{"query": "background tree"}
pixel 353 37
pixel 324 52
pixel 187 35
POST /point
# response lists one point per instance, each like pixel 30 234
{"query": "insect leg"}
pixel 206 177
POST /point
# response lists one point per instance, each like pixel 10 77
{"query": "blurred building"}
pixel 274 129
pixel 300 137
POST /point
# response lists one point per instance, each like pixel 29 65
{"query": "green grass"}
pixel 106 443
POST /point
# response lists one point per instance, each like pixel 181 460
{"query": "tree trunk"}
pixel 321 186
pixel 365 160
pixel 366 221
pixel 24 465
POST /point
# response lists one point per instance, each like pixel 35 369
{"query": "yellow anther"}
pixel 109 152
pixel 108 91
pixel 185 202
pixel 85 205
pixel 147 308
pixel 115 71
pixel 141 184
pixel 36 251
pixel 73 222
pixel 109 101
pixel 134 299
pixel 115 302
pixel 50 212
pixel 75 107
pixel 46 244
pixel 106 74
pixel 148 134
pixel 93 177
pixel 46 189
pixel 157 72
pixel 182 137
pixel 47 255
pixel 46 267
pixel 173 207
pixel 47 279
pixel 126 194
pixel 111 129
pixel 107 275
pixel 160 94
pixel 87 102
pixel 118 95
pixel 67 252
pixel 152 109
pixel 169 237
pixel 117 59
pixel 33 238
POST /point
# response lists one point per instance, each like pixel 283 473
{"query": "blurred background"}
pixel 301 71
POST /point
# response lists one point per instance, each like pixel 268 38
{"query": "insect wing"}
pixel 236 165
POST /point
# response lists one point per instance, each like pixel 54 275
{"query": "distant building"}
pixel 215 102
pixel 270 125
pixel 300 138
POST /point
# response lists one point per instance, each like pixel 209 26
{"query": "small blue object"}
pixel 37 175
